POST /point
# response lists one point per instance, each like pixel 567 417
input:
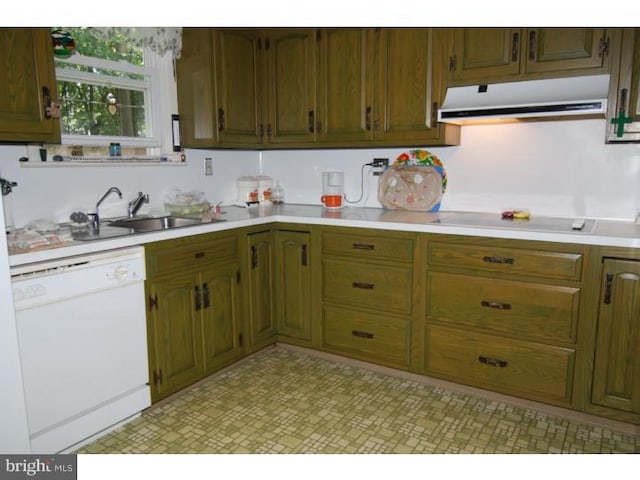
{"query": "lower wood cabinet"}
pixel 293 284
pixel 368 296
pixel 511 316
pixel 616 377
pixel 529 369
pixel 193 309
pixel 503 315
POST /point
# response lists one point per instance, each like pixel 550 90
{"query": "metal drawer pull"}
pixel 496 305
pixel 361 334
pixel 488 259
pixel 364 286
pixel 493 362
pixel 363 246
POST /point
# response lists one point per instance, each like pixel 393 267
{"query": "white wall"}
pixel 552 168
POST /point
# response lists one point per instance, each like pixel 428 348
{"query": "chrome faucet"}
pixel 94 218
pixel 136 203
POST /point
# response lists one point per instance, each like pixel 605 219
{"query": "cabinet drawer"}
pixel 171 255
pixel 513 261
pixel 368 246
pixel 528 310
pixel 367 335
pixel 511 366
pixel 373 286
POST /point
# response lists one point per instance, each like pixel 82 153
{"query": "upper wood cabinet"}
pixel 623 116
pixel 506 54
pixel 345 85
pixel 27 76
pixel 306 87
pixel 289 85
pixel 218 89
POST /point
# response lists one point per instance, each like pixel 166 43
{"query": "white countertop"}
pixel 604 232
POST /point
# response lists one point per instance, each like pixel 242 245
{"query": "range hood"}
pixel 530 99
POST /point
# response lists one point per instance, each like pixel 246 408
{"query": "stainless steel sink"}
pixel 152 224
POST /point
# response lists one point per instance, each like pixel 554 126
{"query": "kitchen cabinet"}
pixel 261 278
pixel 408 88
pixel 293 284
pixel 623 112
pixel 289 86
pixel 616 376
pixel 503 315
pixel 218 87
pixel 193 309
pixel 29 92
pixel 345 85
pixel 312 88
pixel 368 295
pixel 486 55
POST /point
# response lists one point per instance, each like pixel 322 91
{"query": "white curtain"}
pixel 161 40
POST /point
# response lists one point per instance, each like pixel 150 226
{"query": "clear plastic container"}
pixel 277 195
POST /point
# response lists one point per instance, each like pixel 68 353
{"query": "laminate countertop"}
pixel 600 232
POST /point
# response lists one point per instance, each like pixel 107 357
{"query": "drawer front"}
pixel 526 310
pixel 368 246
pixel 372 286
pixel 171 255
pixel 511 366
pixel 366 335
pixel 513 261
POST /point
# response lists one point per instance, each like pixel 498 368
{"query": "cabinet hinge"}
pixel 604 47
pixel 153 301
pixel 157 376
pixel 453 63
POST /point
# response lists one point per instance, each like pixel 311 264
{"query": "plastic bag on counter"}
pixel 190 203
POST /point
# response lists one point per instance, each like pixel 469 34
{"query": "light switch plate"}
pixel 208 166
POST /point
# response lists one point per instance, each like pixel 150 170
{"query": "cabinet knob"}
pixel 492 362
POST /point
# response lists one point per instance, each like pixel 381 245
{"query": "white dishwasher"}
pixel 83 346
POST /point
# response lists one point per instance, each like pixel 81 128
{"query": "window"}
pixel 111 90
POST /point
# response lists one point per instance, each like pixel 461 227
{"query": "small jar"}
pixel 278 193
pixel 114 149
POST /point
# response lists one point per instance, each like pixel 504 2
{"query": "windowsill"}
pixel 105 162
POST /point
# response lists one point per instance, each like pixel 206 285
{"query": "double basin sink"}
pixel 131 226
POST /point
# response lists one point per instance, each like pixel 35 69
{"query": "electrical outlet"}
pixel 208 166
pixel 379 163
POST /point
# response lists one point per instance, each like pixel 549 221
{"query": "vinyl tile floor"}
pixel 286 401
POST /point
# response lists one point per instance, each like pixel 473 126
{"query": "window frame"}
pixel 160 96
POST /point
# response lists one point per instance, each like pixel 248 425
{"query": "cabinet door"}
pixel 219 306
pixel 484 54
pixel 407 97
pixel 345 88
pixel 196 89
pixel 175 338
pixel 616 379
pixel 261 277
pixel 27 74
pixel 237 76
pixel 565 49
pixel 623 116
pixel 293 285
pixel 290 82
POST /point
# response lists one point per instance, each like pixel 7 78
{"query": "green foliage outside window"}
pixel 103 110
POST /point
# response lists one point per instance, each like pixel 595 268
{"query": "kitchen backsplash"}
pixel 560 168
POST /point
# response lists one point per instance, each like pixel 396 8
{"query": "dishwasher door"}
pixel 82 338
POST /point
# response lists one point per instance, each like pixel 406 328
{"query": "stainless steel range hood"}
pixel 531 99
